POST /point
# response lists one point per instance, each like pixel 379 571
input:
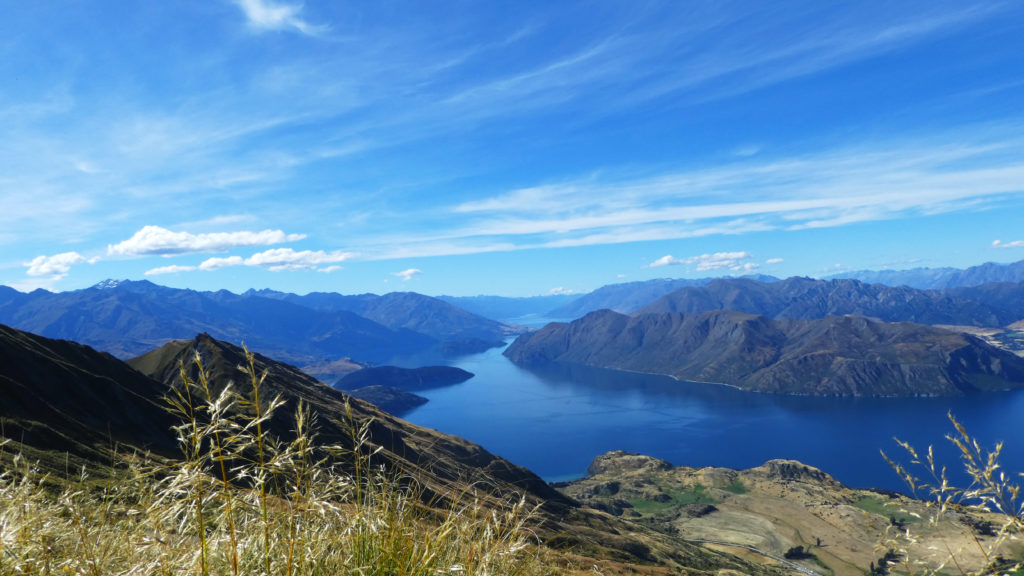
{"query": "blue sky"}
pixel 504 147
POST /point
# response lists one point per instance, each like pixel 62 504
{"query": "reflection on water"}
pixel 555 419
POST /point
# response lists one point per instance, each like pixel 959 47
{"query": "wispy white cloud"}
pixel 771 261
pixel 329 269
pixel 409 274
pixel 837 188
pixel 270 15
pixel 281 259
pixel 211 264
pixel 173 269
pixel 693 60
pixel 732 261
pixel 154 240
pixel 56 266
pixel 1013 244
pixel 562 291
pixel 235 135
pixel 216 221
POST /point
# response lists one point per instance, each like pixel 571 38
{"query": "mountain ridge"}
pixel 836 355
pixel 628 297
pixel 941 278
pixel 445 468
pixel 989 305
pixel 128 318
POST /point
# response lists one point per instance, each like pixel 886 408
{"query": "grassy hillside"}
pixel 266 470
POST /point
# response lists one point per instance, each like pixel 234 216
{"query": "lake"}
pixel 556 420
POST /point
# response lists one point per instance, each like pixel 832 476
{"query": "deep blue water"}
pixel 555 421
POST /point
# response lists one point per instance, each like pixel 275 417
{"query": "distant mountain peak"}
pixel 109 283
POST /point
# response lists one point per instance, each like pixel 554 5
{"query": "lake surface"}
pixel 556 420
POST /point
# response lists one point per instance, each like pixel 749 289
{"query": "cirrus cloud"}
pixel 158 241
pixel 281 259
pixel 1014 244
pixel 732 261
pixel 168 270
pixel 215 263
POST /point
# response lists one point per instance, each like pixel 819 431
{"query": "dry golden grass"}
pixel 243 502
pixel 992 492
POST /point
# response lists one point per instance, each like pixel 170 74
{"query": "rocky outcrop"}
pixel 619 461
pixel 794 471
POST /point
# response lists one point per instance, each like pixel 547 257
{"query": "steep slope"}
pixel 444 466
pixel 808 298
pixel 63 397
pixel 831 356
pixel 9 296
pixel 66 405
pixel 1007 297
pixel 413 450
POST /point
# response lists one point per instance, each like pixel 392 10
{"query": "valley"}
pixel 614 428
pixel 659 288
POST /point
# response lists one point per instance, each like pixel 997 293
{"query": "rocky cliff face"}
pixel 838 355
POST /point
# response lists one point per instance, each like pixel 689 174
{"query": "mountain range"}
pixel 628 297
pixel 941 278
pixel 67 406
pixel 956 283
pixel 831 356
pixel 127 318
pixel 990 305
pixel 433 317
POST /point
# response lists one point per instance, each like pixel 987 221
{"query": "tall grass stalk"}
pixel 241 501
pixel 992 493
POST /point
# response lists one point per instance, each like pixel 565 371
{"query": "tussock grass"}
pixel 993 494
pixel 243 502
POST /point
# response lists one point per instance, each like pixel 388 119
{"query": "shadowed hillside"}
pixel 837 355
pixel 68 398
